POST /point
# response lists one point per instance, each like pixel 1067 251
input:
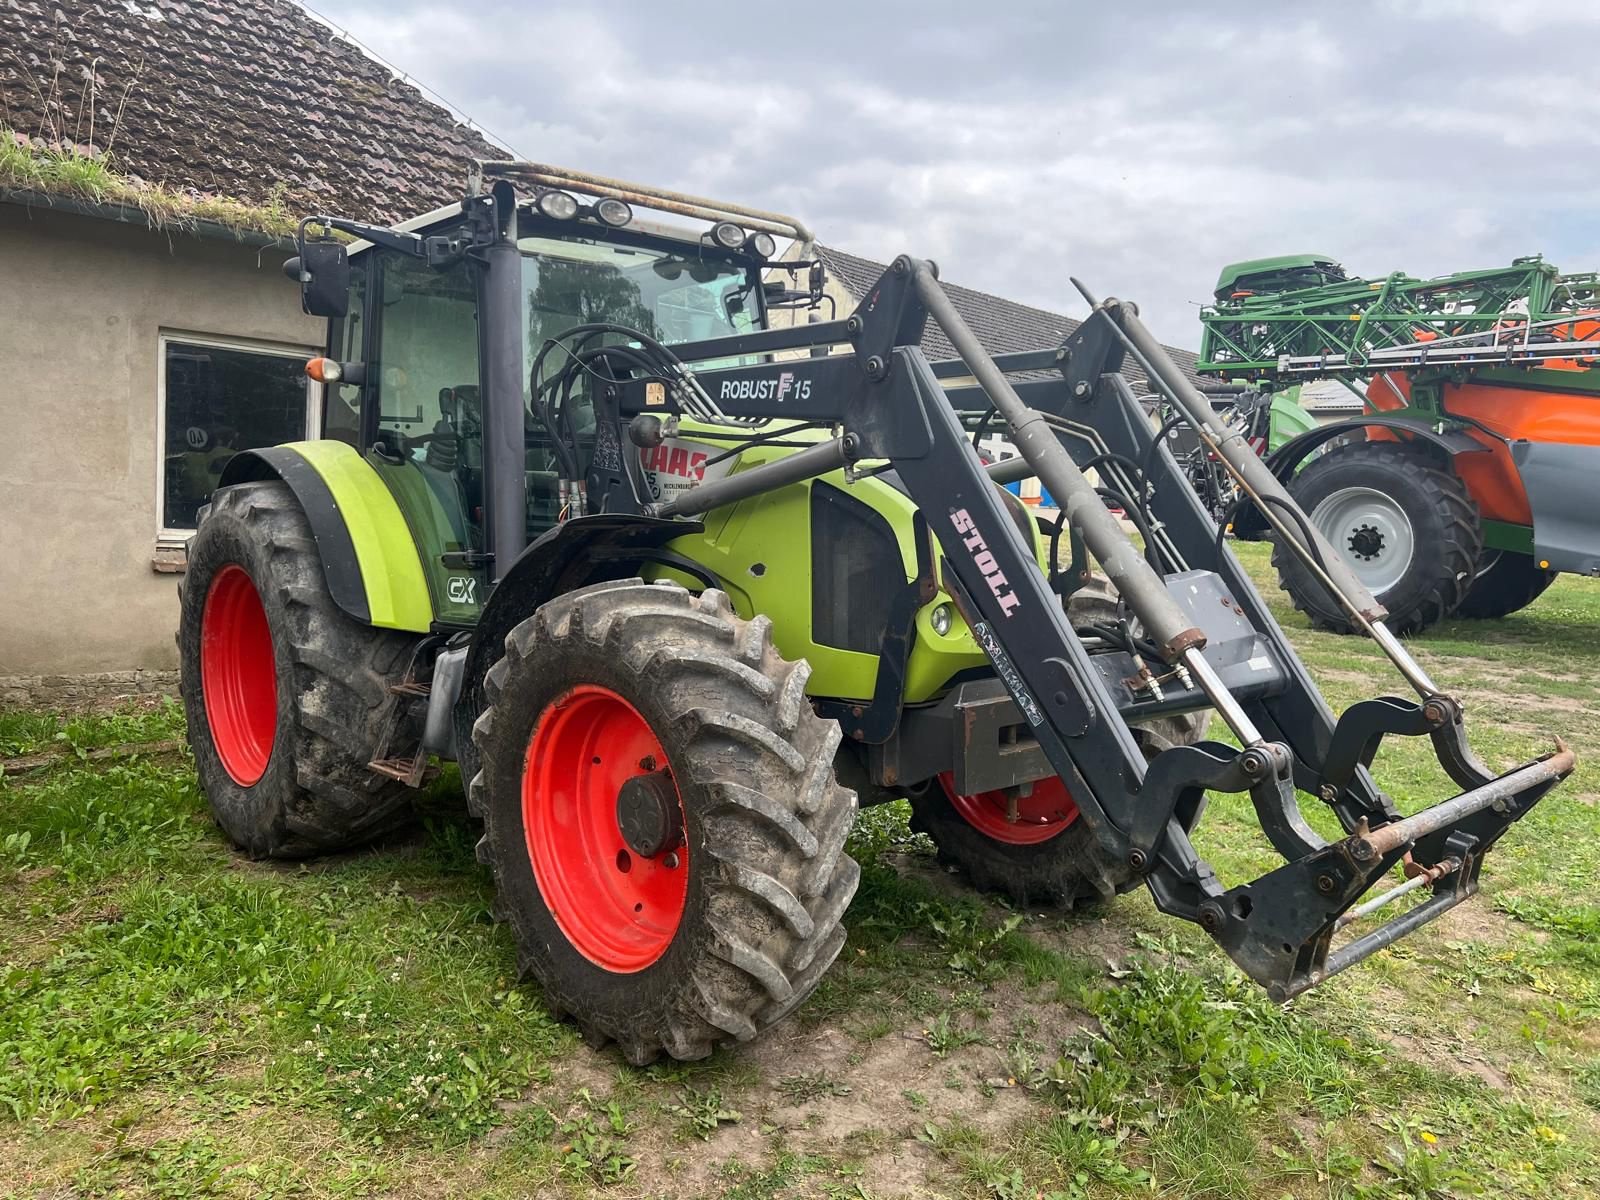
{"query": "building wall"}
pixel 82 304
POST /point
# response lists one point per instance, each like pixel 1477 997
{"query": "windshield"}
pixel 671 295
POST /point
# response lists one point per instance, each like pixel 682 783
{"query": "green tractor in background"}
pixel 676 582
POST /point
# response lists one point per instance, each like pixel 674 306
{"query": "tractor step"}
pixel 413 769
pixel 413 772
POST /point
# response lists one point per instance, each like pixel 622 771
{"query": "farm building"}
pixel 145 304
pixel 1004 326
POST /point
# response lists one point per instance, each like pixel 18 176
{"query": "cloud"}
pixel 1020 143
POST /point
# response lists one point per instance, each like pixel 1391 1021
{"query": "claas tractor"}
pixel 680 572
pixel 1468 481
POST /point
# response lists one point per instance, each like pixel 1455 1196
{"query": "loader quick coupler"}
pixel 1197 634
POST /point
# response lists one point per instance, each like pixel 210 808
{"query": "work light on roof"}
pixel 613 212
pixel 558 206
pixel 728 235
pixel 764 245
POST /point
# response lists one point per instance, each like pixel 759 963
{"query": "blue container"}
pixel 1045 499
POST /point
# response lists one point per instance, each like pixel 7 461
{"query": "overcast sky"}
pixel 1136 146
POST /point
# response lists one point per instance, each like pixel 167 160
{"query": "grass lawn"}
pixel 177 1021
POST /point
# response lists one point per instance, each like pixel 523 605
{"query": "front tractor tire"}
pixel 661 818
pixel 1404 523
pixel 285 696
pixel 1036 849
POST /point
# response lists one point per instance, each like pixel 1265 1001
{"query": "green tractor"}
pixel 678 582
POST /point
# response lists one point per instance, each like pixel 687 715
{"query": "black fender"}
pixel 1286 459
pixel 335 547
pixel 574 554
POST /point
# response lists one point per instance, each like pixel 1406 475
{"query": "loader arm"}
pixel 887 403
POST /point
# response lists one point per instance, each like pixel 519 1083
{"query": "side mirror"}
pixel 323 271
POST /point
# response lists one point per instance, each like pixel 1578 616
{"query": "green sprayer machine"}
pixel 1472 476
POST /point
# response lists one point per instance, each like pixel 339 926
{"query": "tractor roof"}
pixel 1233 272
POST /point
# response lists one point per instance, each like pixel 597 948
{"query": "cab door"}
pixel 421 419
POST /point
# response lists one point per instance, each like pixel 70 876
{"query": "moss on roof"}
pixel 251 99
pixel 35 169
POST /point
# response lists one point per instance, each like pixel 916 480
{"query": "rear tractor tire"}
pixel 286 697
pixel 661 817
pixel 1035 849
pixel 1507 584
pixel 1401 520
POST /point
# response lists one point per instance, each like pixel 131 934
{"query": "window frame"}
pixel 312 427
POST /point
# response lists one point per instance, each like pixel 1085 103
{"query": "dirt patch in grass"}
pixel 895 1085
pixel 1474 921
pixel 1563 704
pixel 1436 1054
pixel 824 1097
pixel 1341 675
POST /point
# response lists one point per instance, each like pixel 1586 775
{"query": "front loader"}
pixel 679 585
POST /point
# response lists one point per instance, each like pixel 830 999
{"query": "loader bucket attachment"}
pixel 1068 409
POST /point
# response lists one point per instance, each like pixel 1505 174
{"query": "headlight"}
pixel 764 245
pixel 942 619
pixel 613 212
pixel 558 206
pixel 728 235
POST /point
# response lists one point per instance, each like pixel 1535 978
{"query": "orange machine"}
pixel 1473 476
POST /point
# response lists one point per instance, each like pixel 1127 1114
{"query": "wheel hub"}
pixel 1366 542
pixel 1371 531
pixel 649 815
pixel 238 675
pixel 1006 816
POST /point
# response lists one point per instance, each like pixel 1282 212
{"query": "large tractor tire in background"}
pixel 661 817
pixel 1506 583
pixel 1401 519
pixel 1038 851
pixel 285 696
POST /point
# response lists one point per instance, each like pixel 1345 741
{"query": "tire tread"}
pixel 340 671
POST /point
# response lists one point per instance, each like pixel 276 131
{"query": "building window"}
pixel 218 398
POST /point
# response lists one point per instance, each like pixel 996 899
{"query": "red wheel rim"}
pixel 238 677
pixel 619 909
pixel 1040 816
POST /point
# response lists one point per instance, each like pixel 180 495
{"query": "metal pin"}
pixel 1389 897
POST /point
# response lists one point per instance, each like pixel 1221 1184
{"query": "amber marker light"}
pixel 324 370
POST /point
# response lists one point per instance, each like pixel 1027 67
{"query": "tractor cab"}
pixel 412 331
